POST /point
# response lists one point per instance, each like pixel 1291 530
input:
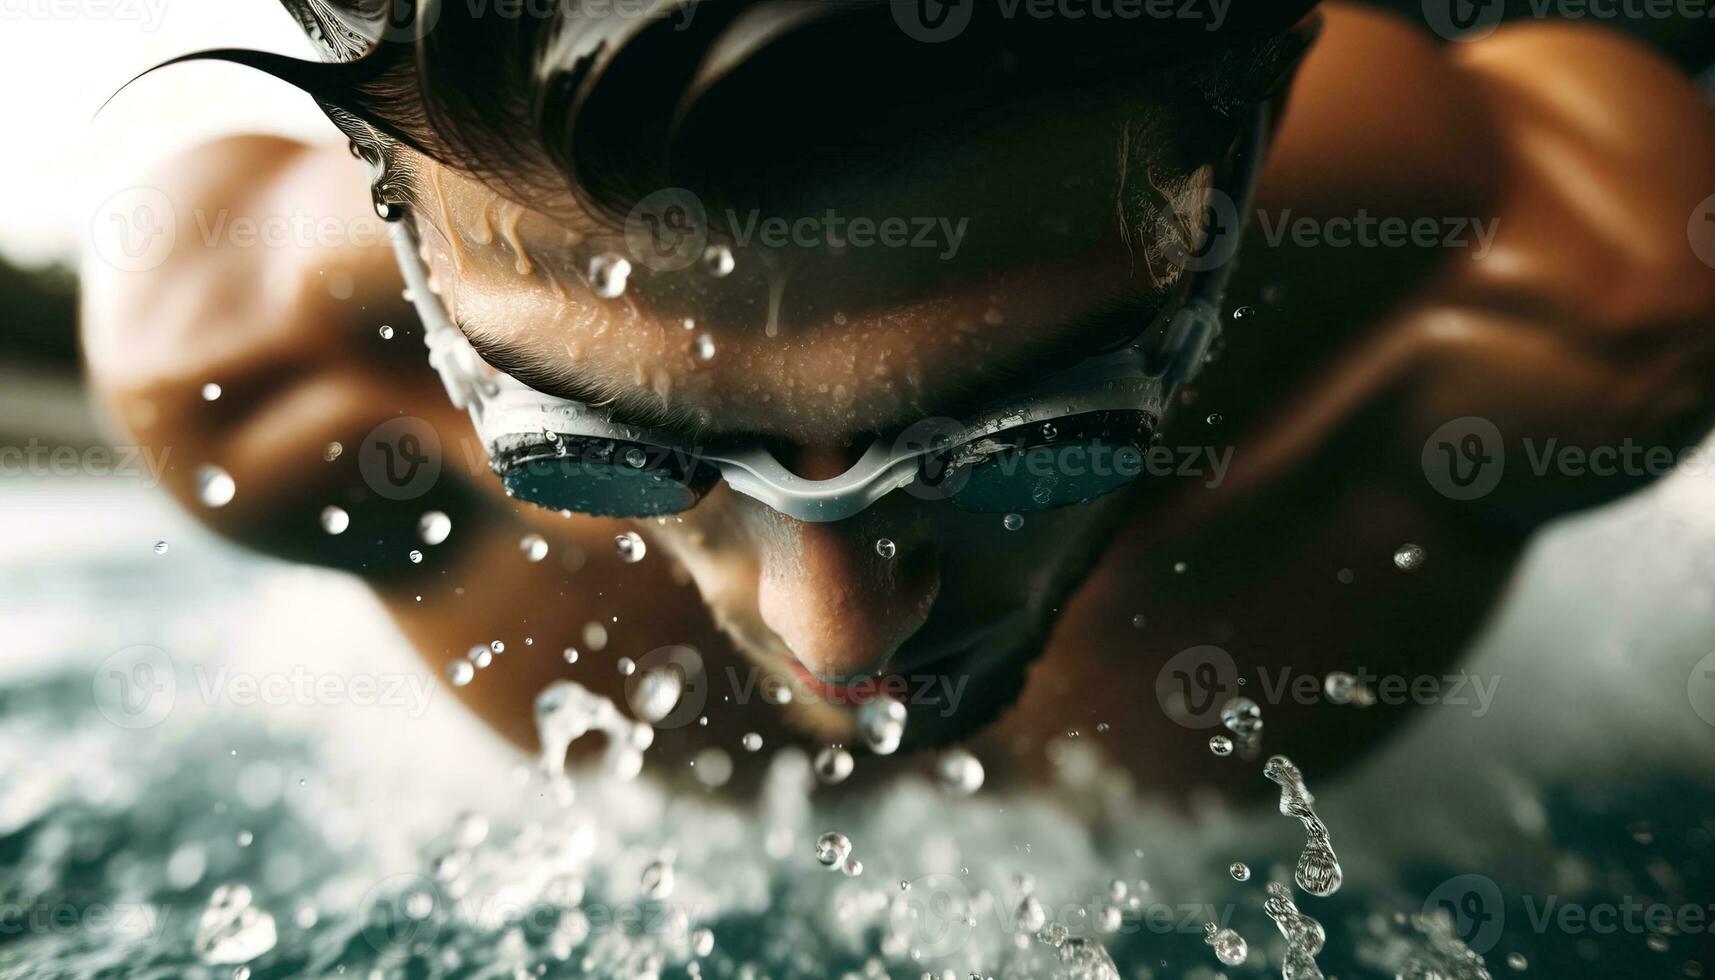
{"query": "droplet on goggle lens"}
pixel 608 275
pixel 630 547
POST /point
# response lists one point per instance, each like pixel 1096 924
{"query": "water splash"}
pixel 1318 871
pixel 1304 935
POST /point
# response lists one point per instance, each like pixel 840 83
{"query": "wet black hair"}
pixel 757 102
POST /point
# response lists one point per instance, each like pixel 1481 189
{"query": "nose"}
pixel 841 607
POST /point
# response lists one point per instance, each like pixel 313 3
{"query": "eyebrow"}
pixel 1091 332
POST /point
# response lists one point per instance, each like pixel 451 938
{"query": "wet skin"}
pixel 1587 320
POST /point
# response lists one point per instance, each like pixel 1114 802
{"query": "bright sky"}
pixel 60 59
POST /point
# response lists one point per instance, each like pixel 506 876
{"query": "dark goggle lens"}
pixel 1041 466
pixel 601 477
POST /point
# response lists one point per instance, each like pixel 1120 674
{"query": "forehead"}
pixel 811 341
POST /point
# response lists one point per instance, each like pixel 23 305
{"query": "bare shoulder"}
pixel 1609 156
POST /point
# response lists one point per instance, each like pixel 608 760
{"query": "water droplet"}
pixel 210 392
pixel 1242 717
pixel 497 647
pixel 1221 745
pixel 1049 431
pixel 832 848
pixel 415 556
pixel 882 722
pixel 704 347
pixel 752 742
pixel 833 764
pixel 231 929
pixel 246 838
pixel 480 655
pixel 1012 522
pixel 627 666
pixel 1179 568
pixel 631 547
pixel 608 274
pixel 1030 916
pixel 570 654
pixel 331 451
pixel 1409 557
pixel 1138 621
pixel 657 880
pixel 1338 686
pixel 386 332
pixel 433 527
pixel 657 694
pixel 1230 947
pixel 1214 418
pixel 1318 870
pixel 1243 313
pixel 702 942
pixel 852 868
pixel 1517 961
pixel 1240 871
pixel 534 546
pixel 718 261
pixel 160 547
pixel 460 672
pixel 959 772
pixel 1304 935
pixel 335 520
pixel 214 486
pixel 885 547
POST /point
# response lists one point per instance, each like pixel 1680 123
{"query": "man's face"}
pixel 814 350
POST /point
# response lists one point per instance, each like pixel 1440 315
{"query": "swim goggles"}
pixel 1067 438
